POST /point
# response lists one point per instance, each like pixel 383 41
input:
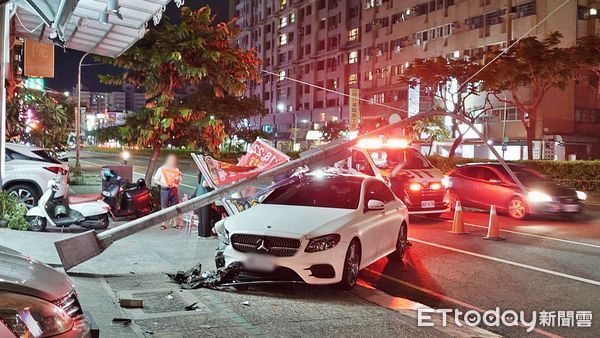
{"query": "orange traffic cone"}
pixel 458 225
pixel 493 229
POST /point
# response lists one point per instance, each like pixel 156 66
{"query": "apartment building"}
pixel 367 44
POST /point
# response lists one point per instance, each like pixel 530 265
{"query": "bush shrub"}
pixel 582 175
pixel 13 211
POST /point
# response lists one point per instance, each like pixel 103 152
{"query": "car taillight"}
pixel 414 186
pixel 57 170
pixel 435 186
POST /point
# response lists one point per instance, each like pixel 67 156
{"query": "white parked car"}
pixel 319 229
pixel 28 170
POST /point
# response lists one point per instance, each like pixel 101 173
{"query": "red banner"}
pixel 260 157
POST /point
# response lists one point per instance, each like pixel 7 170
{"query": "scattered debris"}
pixel 192 307
pixel 194 278
pixel 246 303
pixel 131 303
pixel 121 321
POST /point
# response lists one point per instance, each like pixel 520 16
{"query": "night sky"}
pixel 65 66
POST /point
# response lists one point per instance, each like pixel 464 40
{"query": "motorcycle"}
pixel 124 200
pixel 87 210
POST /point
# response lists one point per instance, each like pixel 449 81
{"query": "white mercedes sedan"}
pixel 318 229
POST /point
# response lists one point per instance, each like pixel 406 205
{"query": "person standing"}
pixel 168 177
pixel 204 223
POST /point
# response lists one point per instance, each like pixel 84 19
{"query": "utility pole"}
pixel 78 118
pixel 4 64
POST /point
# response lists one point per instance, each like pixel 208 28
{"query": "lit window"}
pixel 282 75
pixel 353 34
pixel 353 57
pixel 379 98
pixel 282 3
pixel 283 21
pixel 293 17
pixel 352 79
pixel 283 39
pixel 369 75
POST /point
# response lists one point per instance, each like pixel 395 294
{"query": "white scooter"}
pixel 88 210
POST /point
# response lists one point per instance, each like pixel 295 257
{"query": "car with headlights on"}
pixel 36 300
pixel 318 229
pixel 481 185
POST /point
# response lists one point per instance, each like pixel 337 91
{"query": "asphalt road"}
pixel 542 265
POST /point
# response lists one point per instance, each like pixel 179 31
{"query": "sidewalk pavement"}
pixel 135 266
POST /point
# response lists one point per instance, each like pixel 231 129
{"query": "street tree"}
pixel 39 118
pixel 333 130
pixel 587 57
pixel 432 129
pixel 170 57
pixel 528 71
pixel 444 83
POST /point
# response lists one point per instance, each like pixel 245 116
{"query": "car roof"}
pixel 338 177
pixel 490 164
pixel 21 147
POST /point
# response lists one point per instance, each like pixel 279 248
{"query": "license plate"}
pixel 570 208
pixel 427 204
pixel 259 263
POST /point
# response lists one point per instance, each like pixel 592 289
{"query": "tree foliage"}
pixel 333 130
pixel 40 118
pixel 532 64
pixel 171 57
pixel 432 129
pixel 448 85
pixel 587 52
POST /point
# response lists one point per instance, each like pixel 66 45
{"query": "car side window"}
pixel 488 175
pixel 361 163
pixel 377 190
pixel 472 172
pixel 8 155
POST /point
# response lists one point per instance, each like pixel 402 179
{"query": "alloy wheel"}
pixel 402 242
pixel 517 208
pixel 25 196
pixel 352 263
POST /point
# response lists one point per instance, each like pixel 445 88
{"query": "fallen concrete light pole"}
pixel 80 248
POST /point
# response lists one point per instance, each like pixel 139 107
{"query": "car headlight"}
pixel 32 317
pixel 538 196
pixel 322 243
pixel 581 195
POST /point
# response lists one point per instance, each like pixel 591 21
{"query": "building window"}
pixel 353 79
pixel 320 65
pixel 369 75
pixel 282 75
pixel 293 17
pixel 282 3
pixel 307 49
pixel 307 30
pixel 283 21
pixel 283 39
pixel 379 98
pixel 308 10
pixel 369 4
pixel 353 57
pixel 353 34
pixel 322 23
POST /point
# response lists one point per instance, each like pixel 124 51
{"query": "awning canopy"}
pixel 77 23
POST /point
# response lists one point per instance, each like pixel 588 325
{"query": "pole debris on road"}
pixel 80 248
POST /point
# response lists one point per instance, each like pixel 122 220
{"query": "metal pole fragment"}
pixel 79 248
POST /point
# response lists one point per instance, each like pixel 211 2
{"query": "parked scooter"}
pixel 87 210
pixel 126 201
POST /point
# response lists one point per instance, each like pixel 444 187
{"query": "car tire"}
pixel 36 223
pixel 351 266
pixel 401 244
pixel 26 193
pixel 517 208
pixel 104 222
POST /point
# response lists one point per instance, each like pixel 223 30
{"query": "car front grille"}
pixel 267 245
pixel 71 305
pixel 568 199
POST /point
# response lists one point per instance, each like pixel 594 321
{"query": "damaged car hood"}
pixel 21 274
pixel 274 219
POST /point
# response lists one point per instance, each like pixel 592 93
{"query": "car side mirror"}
pixel 64 159
pixel 373 205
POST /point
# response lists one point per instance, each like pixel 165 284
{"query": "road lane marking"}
pixel 509 262
pixel 445 298
pixel 136 173
pixel 536 236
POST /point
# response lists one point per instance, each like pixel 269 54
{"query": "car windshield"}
pixel 323 192
pixel 44 154
pixel 407 158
